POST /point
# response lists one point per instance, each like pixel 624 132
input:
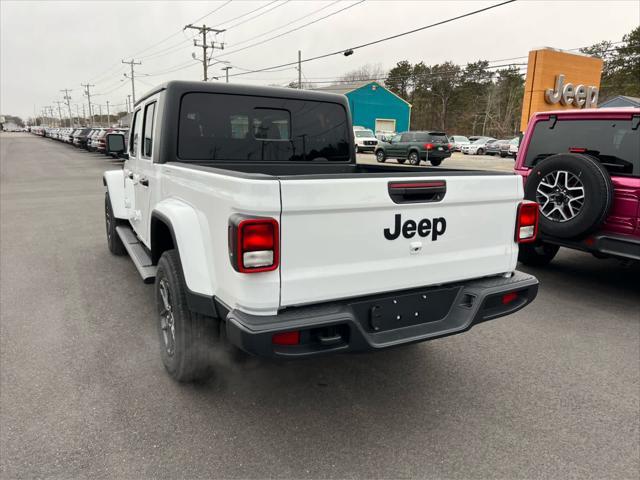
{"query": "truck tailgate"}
pixel 340 237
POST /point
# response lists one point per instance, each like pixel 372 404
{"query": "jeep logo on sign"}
pixel 423 228
pixel 568 94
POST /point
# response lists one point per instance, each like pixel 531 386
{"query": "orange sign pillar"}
pixel 558 80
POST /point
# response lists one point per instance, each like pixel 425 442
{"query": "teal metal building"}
pixel 375 107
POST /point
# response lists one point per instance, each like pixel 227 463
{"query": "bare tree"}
pixel 365 72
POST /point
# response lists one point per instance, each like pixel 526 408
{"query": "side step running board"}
pixel 138 253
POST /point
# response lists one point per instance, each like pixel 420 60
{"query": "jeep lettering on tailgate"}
pixel 424 228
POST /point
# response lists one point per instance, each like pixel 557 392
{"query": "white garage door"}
pixel 385 125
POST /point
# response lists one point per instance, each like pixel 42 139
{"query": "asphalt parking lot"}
pixel 457 160
pixel 550 392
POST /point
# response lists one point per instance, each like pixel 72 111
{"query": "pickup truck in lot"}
pixel 246 208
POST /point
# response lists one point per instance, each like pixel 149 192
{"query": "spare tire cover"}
pixel 574 192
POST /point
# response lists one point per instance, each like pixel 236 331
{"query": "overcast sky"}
pixel 50 45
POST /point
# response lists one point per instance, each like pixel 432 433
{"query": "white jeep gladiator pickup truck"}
pixel 247 209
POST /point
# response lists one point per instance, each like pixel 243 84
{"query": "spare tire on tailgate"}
pixel 574 192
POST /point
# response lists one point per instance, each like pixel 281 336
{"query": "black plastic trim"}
pixel 474 302
pixel 619 246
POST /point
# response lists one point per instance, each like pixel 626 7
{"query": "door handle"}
pixel 144 182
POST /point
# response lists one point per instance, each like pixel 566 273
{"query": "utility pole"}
pixel 78 114
pixel 59 110
pixel 299 69
pixel 131 63
pixel 84 116
pixel 129 104
pixel 68 98
pixel 88 94
pixel 205 46
pixel 108 116
pixel 100 110
pixel 226 71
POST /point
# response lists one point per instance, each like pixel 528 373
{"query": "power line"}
pixel 262 42
pixel 137 54
pixel 287 24
pixel 468 14
pixel 179 46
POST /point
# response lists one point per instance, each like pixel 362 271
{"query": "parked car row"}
pixel 488 146
pixel 90 138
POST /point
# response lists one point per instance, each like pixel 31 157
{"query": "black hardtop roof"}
pixel 180 87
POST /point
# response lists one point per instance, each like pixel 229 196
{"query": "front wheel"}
pixel 537 254
pixel 401 160
pixel 380 156
pixel 414 158
pixel 187 339
pixel 435 162
pixel 113 239
pixel 357 149
pixel 480 152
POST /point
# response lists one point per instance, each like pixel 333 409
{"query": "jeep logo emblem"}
pixel 568 94
pixel 423 228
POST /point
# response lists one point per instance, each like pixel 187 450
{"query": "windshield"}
pixel 460 139
pixel 221 127
pixel 614 142
pixel 481 141
pixel 364 133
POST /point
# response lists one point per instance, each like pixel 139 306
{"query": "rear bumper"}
pixel 619 246
pixel 435 155
pixel 382 321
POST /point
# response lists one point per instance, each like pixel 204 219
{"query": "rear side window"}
pixel 147 143
pixel 133 141
pixel 614 142
pixel 407 137
pixel 221 127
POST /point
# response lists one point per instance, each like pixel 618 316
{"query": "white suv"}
pixel 365 140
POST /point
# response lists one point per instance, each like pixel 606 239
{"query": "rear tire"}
pixel 480 151
pixel 188 340
pixel 414 158
pixel 538 254
pixel 113 239
pixel 436 163
pixel 574 192
pixel 401 160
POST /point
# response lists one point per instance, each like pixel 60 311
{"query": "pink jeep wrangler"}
pixel 583 169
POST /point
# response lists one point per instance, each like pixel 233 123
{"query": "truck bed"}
pixel 319 170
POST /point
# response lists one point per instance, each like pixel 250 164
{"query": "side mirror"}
pixel 115 144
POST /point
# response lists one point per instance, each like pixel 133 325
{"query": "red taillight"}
pixel 450 146
pixel 577 150
pixel 253 244
pixel 507 298
pixel 527 222
pixel 286 338
pixel 428 146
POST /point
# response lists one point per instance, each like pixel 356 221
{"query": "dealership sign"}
pixel 558 80
pixel 568 94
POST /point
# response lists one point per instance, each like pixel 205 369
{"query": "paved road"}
pixel 552 391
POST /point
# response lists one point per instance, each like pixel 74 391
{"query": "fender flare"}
pixel 114 181
pixel 182 221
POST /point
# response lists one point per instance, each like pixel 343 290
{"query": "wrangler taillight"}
pixel 527 222
pixel 428 146
pixel 253 244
